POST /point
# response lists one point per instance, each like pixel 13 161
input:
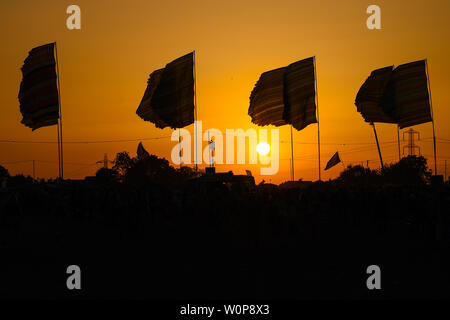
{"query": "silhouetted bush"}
pixel 19 180
pixel 409 170
pixel 358 175
pixel 151 169
pixel 105 175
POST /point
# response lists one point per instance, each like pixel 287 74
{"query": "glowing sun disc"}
pixel 263 148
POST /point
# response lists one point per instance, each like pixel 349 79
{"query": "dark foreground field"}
pixel 195 242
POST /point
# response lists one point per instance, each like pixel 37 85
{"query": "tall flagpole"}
pixel 432 117
pixel 60 135
pixel 398 143
pixel 378 144
pixel 195 113
pixel 292 156
pixel 317 111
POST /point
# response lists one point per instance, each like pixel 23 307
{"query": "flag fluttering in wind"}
pixel 285 96
pixel 38 94
pixel 396 96
pixel 141 152
pixel 169 98
pixel 267 99
pixel 333 161
pixel 407 94
pixel 300 94
pixel 370 95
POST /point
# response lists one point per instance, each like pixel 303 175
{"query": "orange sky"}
pixel 104 69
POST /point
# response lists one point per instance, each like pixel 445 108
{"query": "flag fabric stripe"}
pixel 169 98
pixel 35 95
pixel 38 94
pixel 49 119
pixel 285 96
pixel 333 161
pixel 300 94
pixel 33 79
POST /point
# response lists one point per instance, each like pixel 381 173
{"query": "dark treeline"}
pixel 172 235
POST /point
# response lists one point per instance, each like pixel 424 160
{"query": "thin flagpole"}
pixel 292 156
pixel 60 117
pixel 59 151
pixel 195 113
pixel 209 150
pixel 398 143
pixel 290 165
pixel 179 142
pixel 378 144
pixel 317 111
pixel 432 116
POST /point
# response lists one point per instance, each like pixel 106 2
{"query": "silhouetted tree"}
pixel 409 170
pixel 122 163
pixel 106 175
pixel 151 169
pixel 357 175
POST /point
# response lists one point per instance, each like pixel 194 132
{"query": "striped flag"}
pixel 285 96
pixel 145 111
pixel 300 94
pixel 397 95
pixel 38 94
pixel 407 94
pixel 267 99
pixel 333 161
pixel 168 100
pixel 370 96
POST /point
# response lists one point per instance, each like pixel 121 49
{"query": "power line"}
pixel 166 137
pixel 45 161
pixel 82 142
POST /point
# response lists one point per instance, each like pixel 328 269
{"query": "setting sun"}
pixel 263 148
